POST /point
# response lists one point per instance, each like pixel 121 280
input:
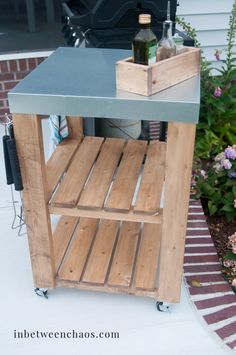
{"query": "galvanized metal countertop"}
pixel 81 81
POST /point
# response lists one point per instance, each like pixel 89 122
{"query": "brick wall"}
pixel 11 72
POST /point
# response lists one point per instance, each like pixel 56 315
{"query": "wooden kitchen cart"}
pixel 123 204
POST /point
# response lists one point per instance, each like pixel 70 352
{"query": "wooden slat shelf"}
pixel 61 237
pixel 111 256
pixel 59 162
pixel 110 178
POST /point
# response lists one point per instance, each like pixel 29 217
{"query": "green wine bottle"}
pixel 145 42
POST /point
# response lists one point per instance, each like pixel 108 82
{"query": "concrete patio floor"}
pixel 142 329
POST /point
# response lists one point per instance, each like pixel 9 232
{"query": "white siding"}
pixel 189 7
pixel 210 18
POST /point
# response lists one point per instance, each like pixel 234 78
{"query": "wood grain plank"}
pixel 99 259
pixel 62 236
pixel 111 215
pixel 105 288
pixel 76 256
pixel 179 68
pixel 130 77
pixel 59 162
pixel 121 195
pixel 75 127
pixel 69 191
pixel 149 195
pixel 29 141
pixel 97 187
pixel 123 261
pixel 179 156
pixel 147 259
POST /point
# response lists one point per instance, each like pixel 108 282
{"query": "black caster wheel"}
pixel 42 292
pixel 162 307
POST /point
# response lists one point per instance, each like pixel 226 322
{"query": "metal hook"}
pixel 13 226
pixel 22 218
pixel 18 217
pixel 8 118
pixel 8 122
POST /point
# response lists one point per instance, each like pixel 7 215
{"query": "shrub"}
pixel 217 122
pixel 218 184
pixel 229 262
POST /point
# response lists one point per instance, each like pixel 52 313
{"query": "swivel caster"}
pixel 162 307
pixel 42 292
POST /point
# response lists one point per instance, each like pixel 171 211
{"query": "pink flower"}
pixel 235 203
pixel 217 167
pixel 218 92
pixel 228 263
pixel 232 243
pixel 203 174
pixel 193 182
pixel 217 54
pixel 232 237
pixel 234 282
pixel 230 153
pixel 220 157
pixel 226 164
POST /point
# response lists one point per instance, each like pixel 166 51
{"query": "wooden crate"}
pixel 148 80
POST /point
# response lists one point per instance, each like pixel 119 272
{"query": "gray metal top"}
pixel 81 81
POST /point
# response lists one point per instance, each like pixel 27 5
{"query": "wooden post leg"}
pixel 28 135
pixel 179 155
pixel 75 126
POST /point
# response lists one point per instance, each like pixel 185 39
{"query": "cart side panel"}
pixel 179 156
pixel 28 135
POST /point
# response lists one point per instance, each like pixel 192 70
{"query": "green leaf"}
pixel 231 138
pixel 234 289
pixel 212 208
pixel 230 255
pixel 230 183
pixel 220 106
pixel 207 189
pixel 228 208
pixel 232 112
pixel 230 215
pixel 222 71
pixel 234 190
pixel 217 198
pixel 228 196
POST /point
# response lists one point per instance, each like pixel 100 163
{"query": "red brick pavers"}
pixel 208 290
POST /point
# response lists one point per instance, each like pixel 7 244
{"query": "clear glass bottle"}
pixel 166 46
pixel 145 42
pixel 179 42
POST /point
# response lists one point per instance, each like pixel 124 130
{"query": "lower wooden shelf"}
pixel 107 255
